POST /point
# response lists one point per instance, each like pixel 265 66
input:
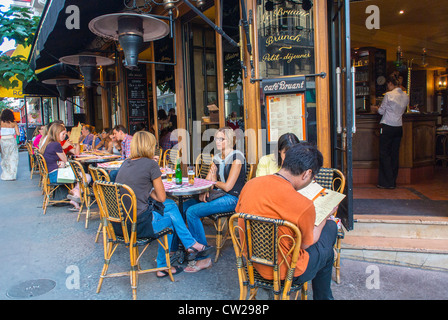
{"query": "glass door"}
pixel 342 77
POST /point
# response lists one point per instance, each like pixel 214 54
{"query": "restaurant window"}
pixel 165 86
pixel 34 111
pixel 286 49
pixel 201 81
pixel 233 89
pixel 50 109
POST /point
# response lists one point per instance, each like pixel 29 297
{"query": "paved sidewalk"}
pixel 55 247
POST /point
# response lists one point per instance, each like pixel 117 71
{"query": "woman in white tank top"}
pixel 10 152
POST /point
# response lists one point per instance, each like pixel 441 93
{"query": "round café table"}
pixel 92 158
pixel 181 192
pixel 185 190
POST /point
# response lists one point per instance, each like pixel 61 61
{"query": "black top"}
pixel 224 166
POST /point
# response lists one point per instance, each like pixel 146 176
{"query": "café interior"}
pixel 412 40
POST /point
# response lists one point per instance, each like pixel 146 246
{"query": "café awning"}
pixel 55 38
pixel 58 70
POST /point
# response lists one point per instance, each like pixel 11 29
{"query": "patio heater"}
pixel 87 64
pixel 130 30
pixel 62 85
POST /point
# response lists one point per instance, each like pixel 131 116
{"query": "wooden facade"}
pixel 252 113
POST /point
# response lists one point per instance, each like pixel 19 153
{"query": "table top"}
pixel 200 186
pixel 95 157
pixel 111 165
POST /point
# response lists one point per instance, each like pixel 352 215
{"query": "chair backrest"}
pixel 98 174
pixel 117 204
pixel 203 164
pixel 249 171
pixel 159 153
pixel 29 148
pixel 80 174
pixel 170 157
pixel 331 178
pixel 42 164
pixel 259 240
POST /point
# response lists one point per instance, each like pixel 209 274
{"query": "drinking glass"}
pixel 169 172
pixel 190 175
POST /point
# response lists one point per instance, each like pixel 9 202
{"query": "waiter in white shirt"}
pixel 392 108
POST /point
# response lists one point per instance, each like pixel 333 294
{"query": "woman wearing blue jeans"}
pixel 228 170
pixel 142 174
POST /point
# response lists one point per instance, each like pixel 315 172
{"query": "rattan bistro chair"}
pixel 98 174
pixel 86 191
pixel 260 241
pixel 203 164
pixel 159 153
pixel 333 179
pixel 49 188
pixel 221 220
pixel 111 202
pixel 34 166
pixel 170 157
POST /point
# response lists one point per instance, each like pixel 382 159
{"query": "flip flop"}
pixel 196 254
pixel 166 273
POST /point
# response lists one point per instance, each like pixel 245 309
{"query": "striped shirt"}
pixel 126 147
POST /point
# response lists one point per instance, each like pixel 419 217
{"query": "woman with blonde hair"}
pixel 41 132
pixel 142 174
pixel 229 171
pixel 52 150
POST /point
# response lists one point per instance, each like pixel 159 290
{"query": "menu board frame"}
pixel 137 99
pixel 280 126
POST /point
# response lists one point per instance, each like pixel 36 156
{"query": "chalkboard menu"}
pixel 137 97
pixel 285 39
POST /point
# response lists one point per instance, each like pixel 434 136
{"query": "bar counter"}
pixel 417 148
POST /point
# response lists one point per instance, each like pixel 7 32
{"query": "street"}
pixel 59 251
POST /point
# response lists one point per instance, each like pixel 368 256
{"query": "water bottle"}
pixel 178 173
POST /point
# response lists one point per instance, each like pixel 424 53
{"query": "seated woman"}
pixel 229 171
pixel 142 174
pixel 271 163
pixel 105 143
pixel 52 151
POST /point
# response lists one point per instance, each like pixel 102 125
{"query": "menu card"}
pixel 324 200
pixel 75 133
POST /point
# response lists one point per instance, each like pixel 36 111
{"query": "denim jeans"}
pixel 53 176
pixel 320 264
pixel 195 210
pixel 113 175
pixel 171 219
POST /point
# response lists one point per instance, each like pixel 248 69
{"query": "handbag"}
pixel 215 194
pixel 66 175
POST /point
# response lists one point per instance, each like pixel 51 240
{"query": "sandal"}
pixel 166 273
pixel 192 255
pixel 193 266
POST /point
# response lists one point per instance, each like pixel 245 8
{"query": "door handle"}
pixel 338 100
pixel 353 100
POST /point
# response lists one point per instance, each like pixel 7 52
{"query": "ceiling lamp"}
pixel 130 30
pixel 62 84
pixel 87 64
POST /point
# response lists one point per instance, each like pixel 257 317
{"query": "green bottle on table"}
pixel 178 173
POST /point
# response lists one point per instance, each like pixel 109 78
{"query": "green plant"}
pixel 20 25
